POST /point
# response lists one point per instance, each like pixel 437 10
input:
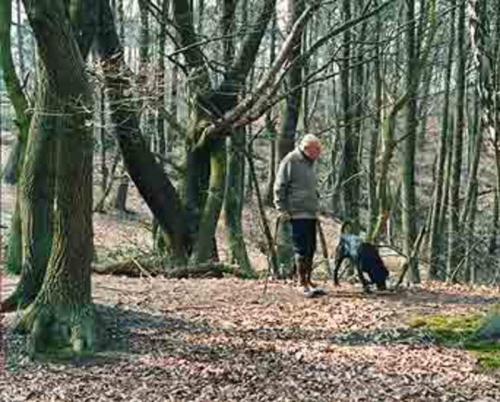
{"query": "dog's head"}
pixel 347 247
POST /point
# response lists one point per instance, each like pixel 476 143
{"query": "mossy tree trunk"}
pixel 62 312
pixel 206 159
pixel 22 118
pixel 234 186
pixel 36 190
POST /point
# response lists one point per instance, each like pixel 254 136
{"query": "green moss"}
pixel 450 328
pixel 462 332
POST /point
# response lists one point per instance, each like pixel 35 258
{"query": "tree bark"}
pixel 288 130
pixel 236 162
pixel 374 135
pixel 454 245
pixel 62 311
pixel 18 99
pixel 409 212
pixel 435 235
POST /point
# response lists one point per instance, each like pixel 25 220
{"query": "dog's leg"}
pixel 362 279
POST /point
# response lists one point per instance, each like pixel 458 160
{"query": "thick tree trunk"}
pixel 234 203
pixel 62 311
pixel 204 246
pixel 206 156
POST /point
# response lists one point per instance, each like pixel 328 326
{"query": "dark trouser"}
pixel 304 246
pixel 304 237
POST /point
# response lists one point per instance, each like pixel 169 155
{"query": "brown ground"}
pixel 225 340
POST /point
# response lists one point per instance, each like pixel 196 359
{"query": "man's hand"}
pixel 285 216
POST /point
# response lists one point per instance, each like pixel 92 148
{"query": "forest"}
pixel 175 175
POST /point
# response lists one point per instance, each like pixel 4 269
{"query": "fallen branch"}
pixel 152 267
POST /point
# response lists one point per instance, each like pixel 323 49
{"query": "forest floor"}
pixel 224 339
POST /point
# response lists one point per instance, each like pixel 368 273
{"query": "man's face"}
pixel 312 151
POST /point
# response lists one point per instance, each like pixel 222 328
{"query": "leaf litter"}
pixel 223 340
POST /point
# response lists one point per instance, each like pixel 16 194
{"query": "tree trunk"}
pixel 436 236
pixel 270 128
pixel 288 129
pixel 206 156
pixel 16 157
pixel 36 201
pixel 148 176
pixel 62 311
pixel 374 135
pixel 234 186
pixel 104 141
pixel 454 245
pixel 20 38
pixel 212 207
pixel 409 212
pixel 120 203
pixel 350 163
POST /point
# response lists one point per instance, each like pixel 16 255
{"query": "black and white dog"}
pixel 365 258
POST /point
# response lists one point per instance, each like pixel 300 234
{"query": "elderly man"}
pixel 296 198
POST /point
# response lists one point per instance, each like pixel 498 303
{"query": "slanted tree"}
pixel 147 174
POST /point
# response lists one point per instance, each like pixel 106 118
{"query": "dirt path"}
pixel 210 340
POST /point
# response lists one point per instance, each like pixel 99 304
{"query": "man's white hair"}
pixel 309 139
